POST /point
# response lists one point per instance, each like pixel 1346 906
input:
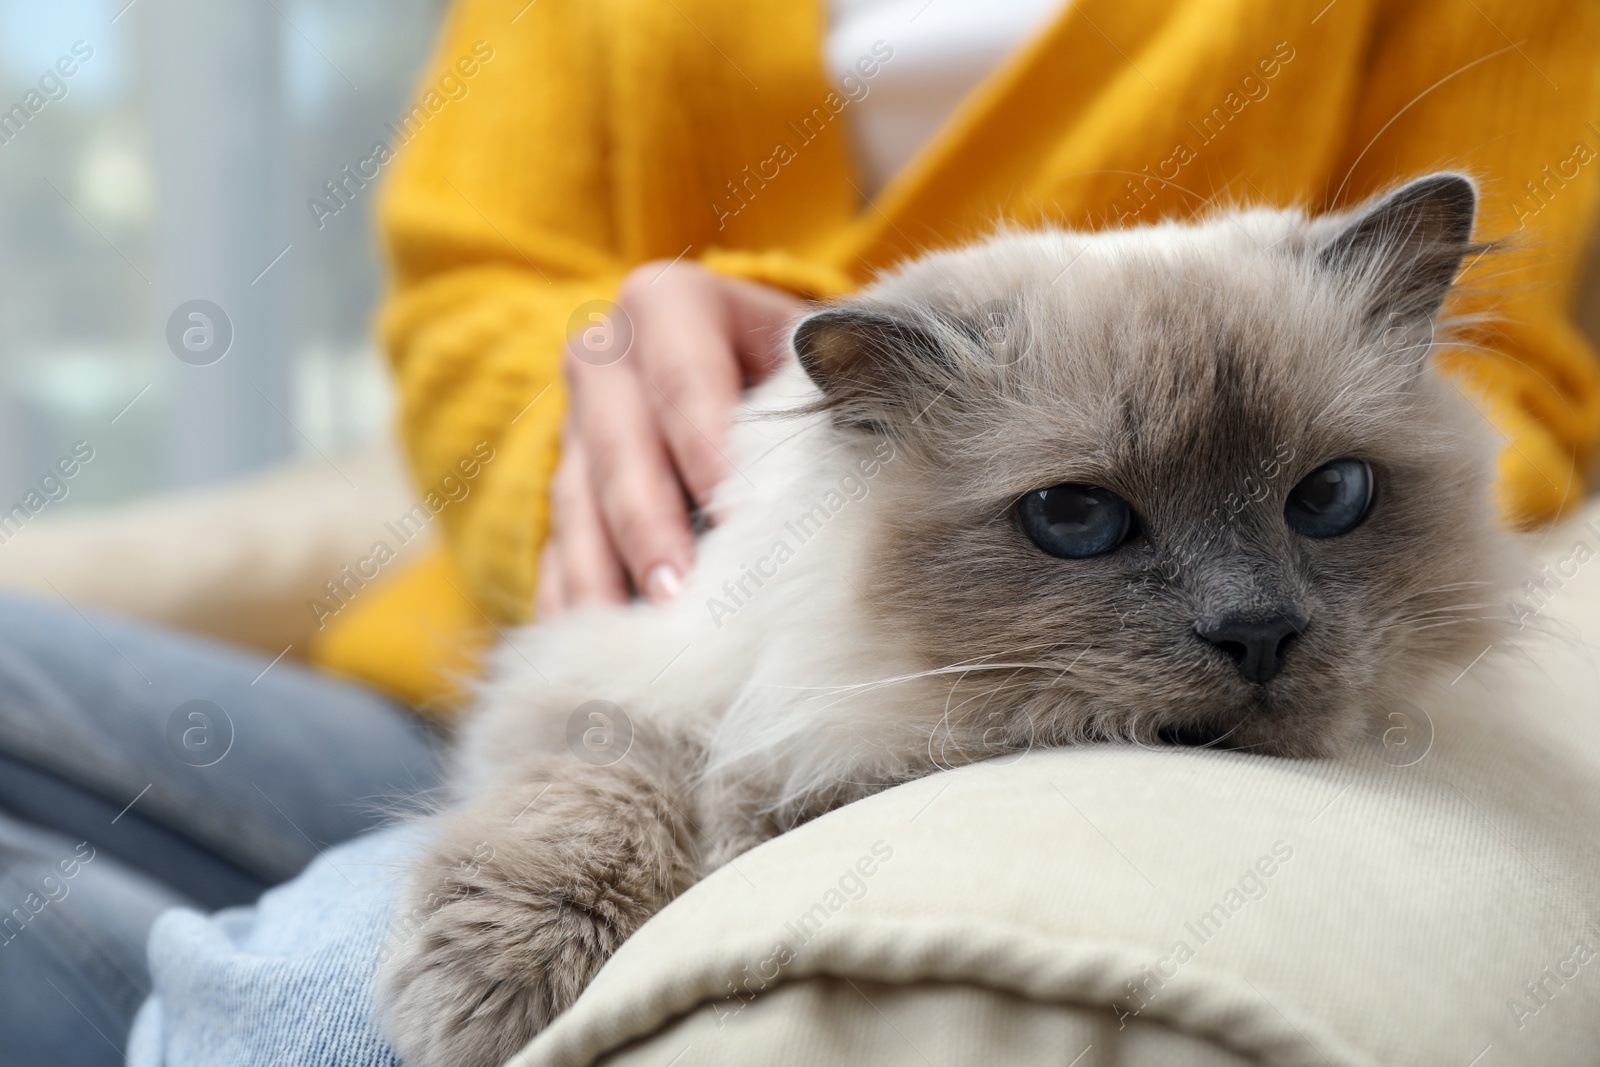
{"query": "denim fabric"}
pixel 189 773
pixel 72 947
pixel 286 983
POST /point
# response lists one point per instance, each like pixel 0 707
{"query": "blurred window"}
pixel 157 160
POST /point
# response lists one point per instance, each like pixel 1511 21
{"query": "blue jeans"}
pixel 142 770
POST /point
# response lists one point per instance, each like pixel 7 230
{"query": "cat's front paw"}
pixel 486 971
pixel 497 938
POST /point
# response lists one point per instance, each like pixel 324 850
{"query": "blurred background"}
pixel 176 163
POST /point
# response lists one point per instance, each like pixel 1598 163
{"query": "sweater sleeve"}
pixel 498 228
pixel 1507 106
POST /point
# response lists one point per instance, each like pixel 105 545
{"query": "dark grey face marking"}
pixel 1211 500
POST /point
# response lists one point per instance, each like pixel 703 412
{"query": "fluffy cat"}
pixel 1187 483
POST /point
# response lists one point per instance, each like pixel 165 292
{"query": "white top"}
pixel 941 51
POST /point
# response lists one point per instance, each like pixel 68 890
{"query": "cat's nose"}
pixel 1256 645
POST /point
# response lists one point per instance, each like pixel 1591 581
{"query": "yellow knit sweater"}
pixel 557 143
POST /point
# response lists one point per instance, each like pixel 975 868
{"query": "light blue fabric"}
pixel 288 982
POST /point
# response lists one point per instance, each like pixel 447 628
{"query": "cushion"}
pixel 241 562
pixel 1427 898
pixel 250 562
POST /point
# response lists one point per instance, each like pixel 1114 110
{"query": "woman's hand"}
pixel 646 433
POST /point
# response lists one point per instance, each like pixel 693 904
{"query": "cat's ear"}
pixel 1403 251
pixel 874 365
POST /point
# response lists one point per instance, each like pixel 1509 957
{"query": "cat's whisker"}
pixel 878 683
pixel 1445 622
pixel 1456 609
pixel 859 689
pixel 1447 587
pixel 1448 610
pixel 1437 591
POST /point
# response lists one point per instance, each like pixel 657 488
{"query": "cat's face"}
pixel 1193 483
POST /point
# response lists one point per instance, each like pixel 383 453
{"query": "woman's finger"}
pixel 584 557
pixel 691 374
pixel 640 502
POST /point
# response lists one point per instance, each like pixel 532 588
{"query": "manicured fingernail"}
pixel 662 583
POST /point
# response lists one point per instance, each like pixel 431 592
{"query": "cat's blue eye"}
pixel 1075 521
pixel 1331 500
